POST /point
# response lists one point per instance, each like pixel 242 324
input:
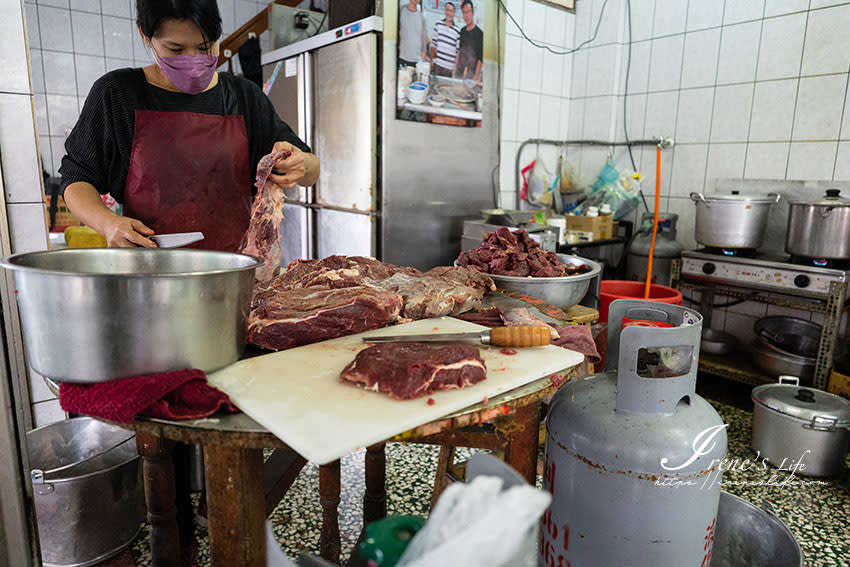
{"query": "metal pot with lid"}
pixel 821 228
pixel 732 220
pixel 801 425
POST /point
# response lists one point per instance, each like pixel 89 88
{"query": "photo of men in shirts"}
pixel 471 50
pixel 445 43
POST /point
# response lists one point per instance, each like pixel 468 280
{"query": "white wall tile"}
pixel 742 10
pixel 780 7
pixel 39 392
pixel 17 139
pixel 556 27
pixel 731 117
pixel 703 15
pixel 766 160
pixel 59 76
pixel 812 160
pixel 534 21
pixel 89 69
pixel 54 3
pixel 602 70
pixel 140 51
pixel 45 153
pixel 123 8
pixel 635 114
pixel 507 170
pixel 13 55
pixel 612 29
pixel 86 6
pixel 842 162
pixel 669 17
pixel 699 65
pixel 564 124
pixel 827 48
pixel 553 73
pixel 773 107
pixel 688 169
pixel 638 67
pixel 550 117
pixel 781 48
pixel 57 150
pixel 36 71
pixel 575 126
pixel 513 61
pixel 516 8
pixel 54 24
pixel 27 227
pixel 528 119
pixel 642 14
pixel 62 112
pixel 725 161
pixel 660 114
pixel 578 77
pixel 684 207
pixel 666 67
pixel 40 104
pixel 88 33
pixel 510 106
pixel 599 113
pixel 45 413
pixel 819 103
pixel 245 11
pixel 739 53
pixel 531 72
pixel 112 64
pixel 33 35
pixel 693 123
pixel 118 37
pixel 741 326
pixel 825 3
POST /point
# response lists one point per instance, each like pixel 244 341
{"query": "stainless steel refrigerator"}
pixel 392 189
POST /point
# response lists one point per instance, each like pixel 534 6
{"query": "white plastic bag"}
pixel 477 525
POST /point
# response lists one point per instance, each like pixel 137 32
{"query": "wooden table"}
pixel 233 463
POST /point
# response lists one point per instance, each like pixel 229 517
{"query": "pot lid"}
pixel 741 197
pixel 803 403
pixel 832 198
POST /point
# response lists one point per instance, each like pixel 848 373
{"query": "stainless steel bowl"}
pixel 717 342
pixel 776 362
pixel 96 314
pixel 790 334
pixel 563 292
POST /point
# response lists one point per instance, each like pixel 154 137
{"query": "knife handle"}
pixel 520 336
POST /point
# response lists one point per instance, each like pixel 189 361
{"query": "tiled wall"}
pixel 73 42
pixel 753 89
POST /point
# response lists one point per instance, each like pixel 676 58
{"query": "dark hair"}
pixel 203 13
pixel 450 4
pixel 465 2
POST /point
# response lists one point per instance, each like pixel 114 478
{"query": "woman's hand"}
pixel 286 173
pixel 126 232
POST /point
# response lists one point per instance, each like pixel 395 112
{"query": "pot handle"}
pixel 789 380
pixel 776 196
pixel 822 423
pixel 698 197
pixel 38 476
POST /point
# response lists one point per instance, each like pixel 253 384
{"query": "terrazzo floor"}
pixel 818 513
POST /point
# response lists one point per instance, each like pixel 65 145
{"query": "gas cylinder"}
pixel 634 455
pixel 666 249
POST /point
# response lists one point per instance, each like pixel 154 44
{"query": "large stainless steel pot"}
pixel 91 315
pixel 733 220
pixel 819 229
pixel 791 424
pixel 87 490
pixel 563 292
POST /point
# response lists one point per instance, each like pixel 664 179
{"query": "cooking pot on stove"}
pixel 732 220
pixel 821 228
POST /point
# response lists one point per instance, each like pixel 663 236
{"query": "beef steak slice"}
pixel 407 370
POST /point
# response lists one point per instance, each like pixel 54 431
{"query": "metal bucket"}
pixel 747 536
pixel 87 488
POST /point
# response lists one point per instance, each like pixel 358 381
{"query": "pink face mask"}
pixel 189 73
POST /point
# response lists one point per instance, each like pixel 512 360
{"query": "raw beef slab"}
pixel 407 370
pixel 262 238
pixel 307 315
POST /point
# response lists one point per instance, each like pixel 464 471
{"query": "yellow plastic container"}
pixel 83 237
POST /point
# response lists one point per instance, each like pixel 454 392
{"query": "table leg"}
pixel 158 478
pixel 235 506
pixel 375 498
pixel 521 449
pixel 329 490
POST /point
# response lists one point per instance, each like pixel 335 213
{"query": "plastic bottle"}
pixel 592 212
pixel 605 210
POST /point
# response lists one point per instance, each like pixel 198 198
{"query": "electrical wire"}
pixel 546 47
pixel 626 85
pixel 321 23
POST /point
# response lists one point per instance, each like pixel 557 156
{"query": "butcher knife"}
pixel 176 239
pixel 519 336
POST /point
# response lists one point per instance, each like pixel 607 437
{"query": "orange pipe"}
pixel 654 222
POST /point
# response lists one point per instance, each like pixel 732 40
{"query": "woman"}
pixel 175 142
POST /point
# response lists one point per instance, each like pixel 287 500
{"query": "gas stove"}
pixel 765 271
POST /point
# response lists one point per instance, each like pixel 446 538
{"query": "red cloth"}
pixel 182 394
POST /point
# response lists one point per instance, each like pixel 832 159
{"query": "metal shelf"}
pixel 832 307
pixel 735 366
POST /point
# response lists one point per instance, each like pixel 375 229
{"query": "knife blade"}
pixel 519 336
pixel 176 239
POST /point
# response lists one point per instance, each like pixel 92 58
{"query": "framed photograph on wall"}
pixel 440 60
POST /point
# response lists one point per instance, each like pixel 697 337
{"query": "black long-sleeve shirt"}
pixel 98 149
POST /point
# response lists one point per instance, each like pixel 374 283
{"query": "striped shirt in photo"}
pixel 447 41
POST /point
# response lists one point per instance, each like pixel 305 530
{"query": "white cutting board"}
pixel 297 395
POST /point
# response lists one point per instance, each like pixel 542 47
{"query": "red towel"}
pixel 182 394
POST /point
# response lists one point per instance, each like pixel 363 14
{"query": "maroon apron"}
pixel 190 172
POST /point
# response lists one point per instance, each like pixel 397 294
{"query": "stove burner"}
pixel 833 263
pixel 736 252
